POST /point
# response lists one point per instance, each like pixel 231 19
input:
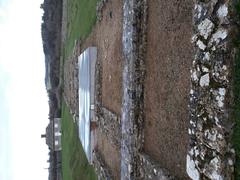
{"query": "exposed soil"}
pixel 167 84
pixel 110 153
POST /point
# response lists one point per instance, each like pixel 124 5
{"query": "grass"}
pixel 75 165
pixel 80 19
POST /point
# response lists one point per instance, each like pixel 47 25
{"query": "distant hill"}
pixel 51 36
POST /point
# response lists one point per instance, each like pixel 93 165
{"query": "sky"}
pixel 23 98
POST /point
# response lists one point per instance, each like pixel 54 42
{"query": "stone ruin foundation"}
pixel 206 127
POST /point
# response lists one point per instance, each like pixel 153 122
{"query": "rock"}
pixel 205 28
pixel 230 162
pixel 191 91
pixel 220 97
pixel 191 169
pixel 194 38
pixel 204 69
pixel 222 13
pixel 204 80
pixel 155 171
pixel 194 76
pixel 201 45
pixel 198 8
pixel 213 169
pixel 206 56
pixel 218 36
pixel 222 91
pixel 214 139
pixel 200 12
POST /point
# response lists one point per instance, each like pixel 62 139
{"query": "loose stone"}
pixel 201 45
pixel 204 81
pixel 212 170
pixel 222 11
pixel 205 28
pixel 218 36
pixel 191 169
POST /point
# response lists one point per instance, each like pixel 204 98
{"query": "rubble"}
pixel 209 154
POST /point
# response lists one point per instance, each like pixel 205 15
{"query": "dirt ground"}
pixel 167 83
pixel 109 42
pixel 110 153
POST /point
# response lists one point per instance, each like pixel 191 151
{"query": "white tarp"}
pixel 86 61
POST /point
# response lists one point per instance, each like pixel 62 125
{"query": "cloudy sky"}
pixel 23 99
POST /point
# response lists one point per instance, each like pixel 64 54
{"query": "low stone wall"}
pixel 102 170
pixel 150 169
pixel 71 80
pixel 211 155
pixel 134 50
pixel 98 89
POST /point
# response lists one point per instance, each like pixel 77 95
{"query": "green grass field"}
pixel 74 161
pixel 81 17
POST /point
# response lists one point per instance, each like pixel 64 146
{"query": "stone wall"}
pixel 134 41
pixel 211 154
pixel 71 80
